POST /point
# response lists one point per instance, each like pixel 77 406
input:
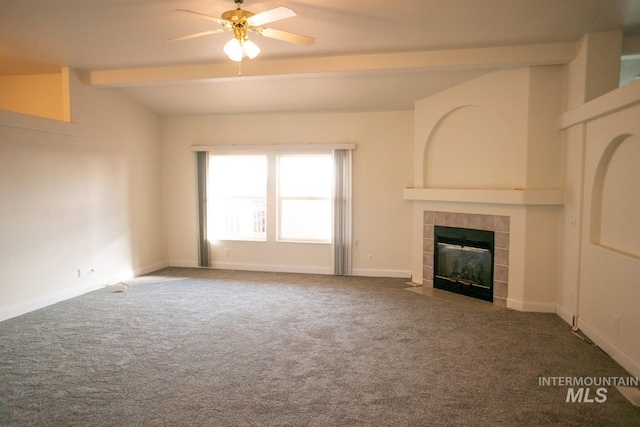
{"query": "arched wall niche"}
pixel 469 147
pixel 615 206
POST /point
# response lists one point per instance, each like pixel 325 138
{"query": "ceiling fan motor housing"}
pixel 237 15
pixel 238 19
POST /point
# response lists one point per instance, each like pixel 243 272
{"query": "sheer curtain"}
pixel 342 212
pixel 203 243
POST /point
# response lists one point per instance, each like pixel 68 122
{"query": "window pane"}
pixel 237 219
pixel 305 176
pixel 235 176
pixel 308 220
pixel 237 197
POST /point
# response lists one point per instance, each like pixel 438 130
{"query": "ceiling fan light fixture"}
pixel 233 49
pixel 241 22
pixel 251 49
pixel 236 49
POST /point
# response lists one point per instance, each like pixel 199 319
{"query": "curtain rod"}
pixel 273 147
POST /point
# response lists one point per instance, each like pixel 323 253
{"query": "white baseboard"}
pixel 402 274
pixel 272 268
pixel 150 268
pixel 617 354
pixel 536 307
pixel 127 274
pixel 367 272
pixel 564 314
pixel 44 301
pixel 183 264
pixel 58 296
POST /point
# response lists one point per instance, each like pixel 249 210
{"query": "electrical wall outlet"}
pixel 616 323
pixel 85 271
pixel 227 252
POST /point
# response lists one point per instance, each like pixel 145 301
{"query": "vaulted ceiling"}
pixel 368 55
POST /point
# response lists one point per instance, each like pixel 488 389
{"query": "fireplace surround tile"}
pixel 498 224
pixel 501 240
pixel 501 302
pixel 499 289
pixel 502 223
pixel 453 219
pixel 427 272
pixel 501 256
pixel 481 222
pixel 427 245
pixel 438 218
pixel 501 273
pixel 427 259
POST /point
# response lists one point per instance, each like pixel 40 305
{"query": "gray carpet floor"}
pixel 224 348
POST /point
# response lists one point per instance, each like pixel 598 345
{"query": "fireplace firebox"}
pixel 463 261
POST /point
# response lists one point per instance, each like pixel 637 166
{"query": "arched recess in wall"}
pixel 469 147
pixel 615 206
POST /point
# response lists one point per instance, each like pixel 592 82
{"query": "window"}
pixel 237 197
pixel 276 193
pixel 305 198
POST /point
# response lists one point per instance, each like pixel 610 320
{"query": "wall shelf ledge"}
pixel 38 124
pixel 497 197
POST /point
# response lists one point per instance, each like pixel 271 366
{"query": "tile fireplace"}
pixel 467 254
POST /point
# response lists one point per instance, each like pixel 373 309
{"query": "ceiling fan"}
pixel 241 22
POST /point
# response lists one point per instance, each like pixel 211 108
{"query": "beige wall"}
pixel 43 95
pixel 598 263
pixel 497 132
pixel 486 158
pixel 381 170
pixel 90 199
pixel 610 266
pixel 506 120
pixel 502 97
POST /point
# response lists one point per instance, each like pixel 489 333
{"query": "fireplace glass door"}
pixel 464 261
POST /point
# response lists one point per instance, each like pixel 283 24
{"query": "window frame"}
pixel 279 199
pixel 271 150
pixel 211 202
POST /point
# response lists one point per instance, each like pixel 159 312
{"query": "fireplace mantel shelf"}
pixel 498 197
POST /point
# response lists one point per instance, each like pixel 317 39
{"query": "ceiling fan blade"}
pixel 192 36
pixel 205 16
pixel 271 16
pixel 285 36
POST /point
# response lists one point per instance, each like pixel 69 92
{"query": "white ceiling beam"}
pixel 491 57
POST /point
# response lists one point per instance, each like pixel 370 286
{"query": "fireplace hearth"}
pixel 463 261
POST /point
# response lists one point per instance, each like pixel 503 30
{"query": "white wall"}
pixel 493 106
pixel 599 262
pixel 609 293
pixel 471 147
pixel 90 199
pixel 381 170
pixel 496 134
